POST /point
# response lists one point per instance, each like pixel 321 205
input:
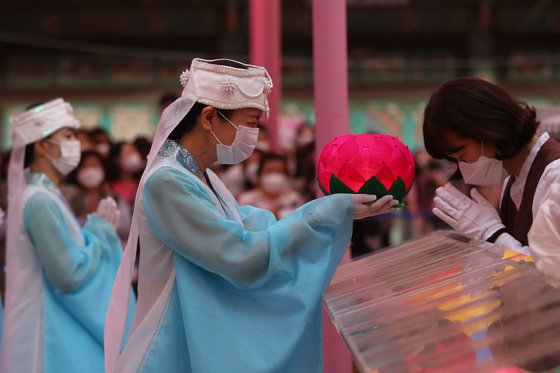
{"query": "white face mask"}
pixel 103 149
pixel 242 146
pixel 484 172
pixel 91 177
pixel 305 139
pixel 70 156
pixel 132 163
pixel 274 182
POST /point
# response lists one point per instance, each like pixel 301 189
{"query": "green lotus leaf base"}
pixel 372 186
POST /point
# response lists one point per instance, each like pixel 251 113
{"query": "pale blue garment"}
pixel 246 299
pixel 78 275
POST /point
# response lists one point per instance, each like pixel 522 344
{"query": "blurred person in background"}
pixel 370 235
pixel 304 159
pixel 59 274
pixel 273 191
pixel 90 179
pixel 143 146
pixel 305 135
pixel 305 176
pixel 101 141
pixel 84 138
pixel 165 100
pixel 493 139
pixel 430 175
pixel 125 169
pixel 239 178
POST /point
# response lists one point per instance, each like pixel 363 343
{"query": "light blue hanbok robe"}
pixel 227 288
pixel 61 315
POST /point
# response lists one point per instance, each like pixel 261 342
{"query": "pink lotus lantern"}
pixel 368 163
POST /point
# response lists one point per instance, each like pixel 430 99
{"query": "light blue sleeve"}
pixel 180 213
pixel 67 263
pixel 254 218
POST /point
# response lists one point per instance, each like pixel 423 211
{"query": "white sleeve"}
pixel 549 178
pixel 544 237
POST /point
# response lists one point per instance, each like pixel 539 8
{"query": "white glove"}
pixel 108 210
pixel 381 206
pixel 475 218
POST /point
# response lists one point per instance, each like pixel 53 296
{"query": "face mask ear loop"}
pixel 216 137
pixel 229 121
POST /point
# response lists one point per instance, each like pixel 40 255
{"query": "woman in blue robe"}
pixel 59 274
pixel 223 287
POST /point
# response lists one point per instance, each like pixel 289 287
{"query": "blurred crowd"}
pixel 277 181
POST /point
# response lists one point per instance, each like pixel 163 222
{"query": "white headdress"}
pixel 42 121
pixel 223 84
pixel 26 128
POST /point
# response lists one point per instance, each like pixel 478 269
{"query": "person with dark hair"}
pixel 90 180
pixel 217 279
pixel 59 273
pixel 125 167
pixel 101 141
pixel 493 139
pixel 143 146
pixel 165 100
pixel 273 191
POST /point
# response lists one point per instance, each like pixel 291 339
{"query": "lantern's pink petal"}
pixel 354 159
pixel 324 177
pixel 380 145
pixel 408 176
pixel 386 176
pixel 350 176
pixel 348 150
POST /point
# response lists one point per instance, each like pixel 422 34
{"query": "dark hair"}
pixel 189 121
pixel 473 108
pixel 167 99
pixel 113 171
pixel 267 157
pixel 143 145
pixel 97 131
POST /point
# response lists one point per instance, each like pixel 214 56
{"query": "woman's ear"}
pixel 40 147
pixel 207 116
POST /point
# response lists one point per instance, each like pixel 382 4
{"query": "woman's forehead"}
pixel 64 131
pixel 453 143
pixel 249 113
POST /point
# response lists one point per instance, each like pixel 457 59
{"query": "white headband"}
pixel 227 87
pixel 41 121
